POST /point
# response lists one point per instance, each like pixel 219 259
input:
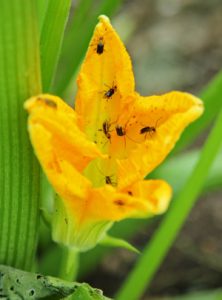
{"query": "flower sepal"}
pixel 68 232
pixel 111 241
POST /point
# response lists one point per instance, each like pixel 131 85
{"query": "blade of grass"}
pixel 211 96
pixel 157 248
pixel 41 10
pixel 19 178
pixel 78 37
pixel 51 38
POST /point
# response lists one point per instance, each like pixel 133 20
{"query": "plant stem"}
pixel 158 247
pixel 69 263
pixel 19 177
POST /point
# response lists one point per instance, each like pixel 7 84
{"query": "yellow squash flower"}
pixel 96 156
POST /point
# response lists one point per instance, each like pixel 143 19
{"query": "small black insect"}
pixel 48 102
pixel 119 202
pixel 106 129
pixel 147 129
pixel 108 94
pixel 120 131
pixel 100 46
pixel 108 180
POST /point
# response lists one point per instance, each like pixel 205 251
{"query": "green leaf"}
pixel 19 180
pixel 116 242
pixel 17 284
pixel 41 10
pixel 26 285
pixel 158 247
pixel 77 39
pixel 85 292
pixel 51 38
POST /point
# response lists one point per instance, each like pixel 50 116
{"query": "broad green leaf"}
pixel 85 292
pixel 157 248
pixel 14 282
pixel 19 177
pixel 17 284
pixel 51 38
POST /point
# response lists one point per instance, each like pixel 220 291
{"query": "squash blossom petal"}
pixel 96 156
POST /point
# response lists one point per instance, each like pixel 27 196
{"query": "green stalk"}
pixel 19 177
pixel 157 248
pixel 69 263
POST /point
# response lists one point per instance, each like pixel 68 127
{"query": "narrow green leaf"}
pixel 157 248
pixel 116 242
pixel 41 10
pixel 19 177
pixel 77 39
pixel 51 38
pixel 211 96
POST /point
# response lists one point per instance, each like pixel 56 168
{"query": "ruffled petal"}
pixel 141 199
pixel 62 149
pixel 53 129
pixel 153 126
pixel 158 193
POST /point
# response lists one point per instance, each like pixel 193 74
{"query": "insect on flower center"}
pixel 108 94
pixel 100 46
